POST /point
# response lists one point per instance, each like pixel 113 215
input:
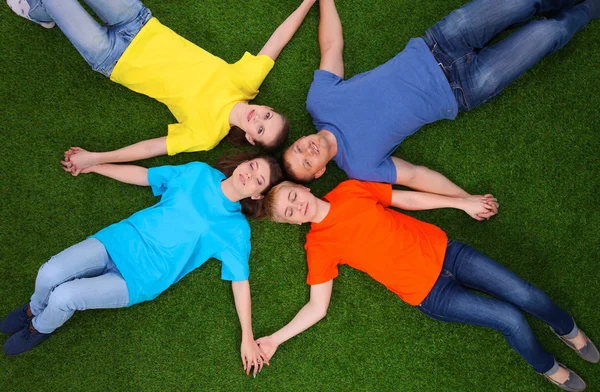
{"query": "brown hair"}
pixel 237 136
pixel 289 171
pixel 269 200
pixel 227 164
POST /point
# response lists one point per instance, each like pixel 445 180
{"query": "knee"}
pixel 513 321
pixel 49 274
pixel 62 298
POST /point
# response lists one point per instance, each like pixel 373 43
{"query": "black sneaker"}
pixel 24 340
pixel 15 321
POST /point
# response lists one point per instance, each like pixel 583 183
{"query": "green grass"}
pixel 535 147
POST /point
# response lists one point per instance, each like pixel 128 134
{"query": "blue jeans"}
pixel 477 72
pixel 451 300
pixel 78 278
pixel 100 46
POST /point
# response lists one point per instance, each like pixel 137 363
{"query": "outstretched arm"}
pixel 478 207
pixel 309 315
pixel 129 174
pixel 284 33
pixel 424 179
pixel 331 39
pixel 250 352
pixel 77 159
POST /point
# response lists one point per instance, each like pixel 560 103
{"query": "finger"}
pixel 76 149
pixel 264 357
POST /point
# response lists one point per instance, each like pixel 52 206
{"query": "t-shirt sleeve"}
pixel 189 138
pixel 254 68
pixel 321 267
pixel 160 177
pixel 318 94
pixel 378 191
pixel 234 260
pixel 385 172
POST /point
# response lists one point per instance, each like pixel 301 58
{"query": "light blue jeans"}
pixel 78 278
pixel 478 71
pixel 100 46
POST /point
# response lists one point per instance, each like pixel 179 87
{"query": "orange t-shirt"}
pixel 401 252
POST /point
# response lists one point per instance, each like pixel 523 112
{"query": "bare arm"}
pixel 250 352
pixel 424 179
pixel 331 39
pixel 284 33
pixel 77 159
pixel 478 207
pixel 129 174
pixel 308 316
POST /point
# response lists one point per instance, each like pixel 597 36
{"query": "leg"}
pixel 100 46
pixel 101 292
pixel 485 74
pixel 475 24
pixel 112 12
pixel 116 12
pixel 85 259
pixel 450 302
pixel 475 270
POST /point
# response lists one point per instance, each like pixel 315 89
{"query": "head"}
pixel 254 174
pixel 307 158
pixel 291 203
pixel 264 128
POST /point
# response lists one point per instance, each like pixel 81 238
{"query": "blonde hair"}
pixel 270 199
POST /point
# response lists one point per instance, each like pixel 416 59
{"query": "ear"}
pixel 249 138
pixel 320 172
pixel 257 197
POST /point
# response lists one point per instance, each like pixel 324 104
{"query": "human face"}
pixel 251 178
pixel 262 124
pixel 308 156
pixel 295 204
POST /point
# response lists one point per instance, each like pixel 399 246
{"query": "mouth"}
pixel 314 147
pixel 250 114
pixel 242 179
pixel 306 209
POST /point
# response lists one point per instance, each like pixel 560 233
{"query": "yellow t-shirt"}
pixel 198 88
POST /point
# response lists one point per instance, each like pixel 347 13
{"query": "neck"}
pixel 331 140
pixel 237 112
pixel 322 211
pixel 229 191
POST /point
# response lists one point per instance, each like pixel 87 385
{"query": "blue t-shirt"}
pixel 192 222
pixel 371 113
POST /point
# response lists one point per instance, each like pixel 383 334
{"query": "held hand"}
pixel 268 346
pixel 77 160
pixel 480 207
pixel 252 356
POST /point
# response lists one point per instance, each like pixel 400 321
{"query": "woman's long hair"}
pixel 253 209
pixel 237 136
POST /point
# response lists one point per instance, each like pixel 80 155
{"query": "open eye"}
pixel 269 115
pixel 260 130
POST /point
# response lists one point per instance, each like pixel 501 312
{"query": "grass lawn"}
pixel 535 147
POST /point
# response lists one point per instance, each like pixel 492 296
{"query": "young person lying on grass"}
pixel 207 96
pixel 354 225
pixel 360 121
pixel 200 215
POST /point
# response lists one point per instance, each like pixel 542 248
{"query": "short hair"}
pixel 271 197
pixel 288 170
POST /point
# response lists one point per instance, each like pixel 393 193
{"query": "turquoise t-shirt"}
pixel 192 222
